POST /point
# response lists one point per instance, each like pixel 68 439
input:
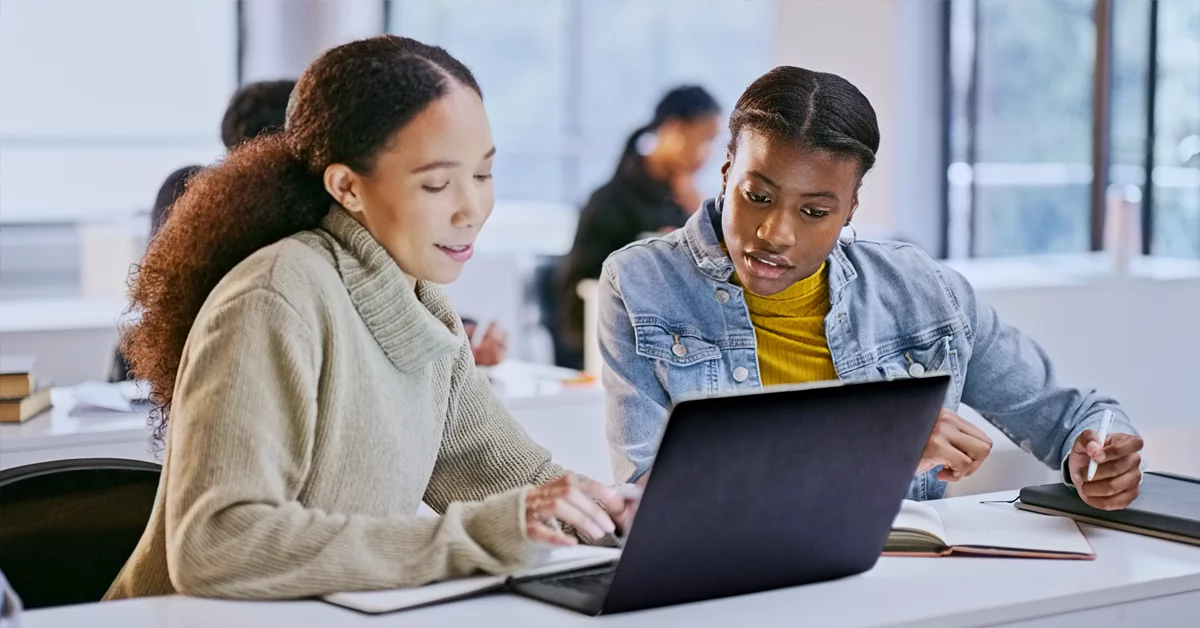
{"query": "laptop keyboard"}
pixel 592 581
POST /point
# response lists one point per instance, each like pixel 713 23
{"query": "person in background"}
pixel 651 191
pixel 492 348
pixel 313 384
pixel 255 108
pixel 759 290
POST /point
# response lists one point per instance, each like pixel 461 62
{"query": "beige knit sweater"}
pixel 319 400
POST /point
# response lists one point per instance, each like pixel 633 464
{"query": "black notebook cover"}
pixel 1167 506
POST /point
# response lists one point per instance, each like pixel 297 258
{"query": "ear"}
pixel 853 207
pixel 725 172
pixel 345 186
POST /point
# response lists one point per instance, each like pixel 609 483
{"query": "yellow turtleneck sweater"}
pixel 790 329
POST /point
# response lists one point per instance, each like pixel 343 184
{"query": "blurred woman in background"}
pixel 652 191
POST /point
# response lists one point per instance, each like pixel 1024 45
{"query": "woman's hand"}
pixel 956 445
pixel 1118 469
pixel 493 348
pixel 584 504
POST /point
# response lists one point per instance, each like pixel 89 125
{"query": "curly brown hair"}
pixel 345 109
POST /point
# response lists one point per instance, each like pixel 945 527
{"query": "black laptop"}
pixel 757 492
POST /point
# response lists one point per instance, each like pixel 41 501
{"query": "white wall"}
pixel 891 52
pixel 284 36
pixel 103 99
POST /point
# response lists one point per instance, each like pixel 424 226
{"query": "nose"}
pixel 474 206
pixel 776 231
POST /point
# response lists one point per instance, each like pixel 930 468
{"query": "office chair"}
pixel 10 605
pixel 68 526
pixel 545 288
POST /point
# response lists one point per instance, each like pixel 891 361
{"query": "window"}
pixel 1021 84
pixel 566 82
pixel 1025 129
pixel 1175 193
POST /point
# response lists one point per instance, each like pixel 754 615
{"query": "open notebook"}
pixel 551 561
pixel 941 528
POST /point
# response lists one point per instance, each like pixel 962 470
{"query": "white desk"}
pixel 68 432
pixel 1135 581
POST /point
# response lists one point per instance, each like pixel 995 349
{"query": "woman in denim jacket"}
pixel 759 289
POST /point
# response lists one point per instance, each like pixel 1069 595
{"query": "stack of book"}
pixel 21 396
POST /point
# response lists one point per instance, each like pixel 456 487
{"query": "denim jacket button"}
pixel 679 350
pixel 722 296
pixel 740 374
pixel 916 370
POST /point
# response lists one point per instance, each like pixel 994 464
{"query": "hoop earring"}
pixel 853 234
pixel 721 202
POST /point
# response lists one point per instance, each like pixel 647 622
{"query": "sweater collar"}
pixel 413 327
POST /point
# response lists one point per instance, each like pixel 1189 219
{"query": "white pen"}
pixel 481 330
pixel 1105 426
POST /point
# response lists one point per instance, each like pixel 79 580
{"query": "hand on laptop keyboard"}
pixel 574 500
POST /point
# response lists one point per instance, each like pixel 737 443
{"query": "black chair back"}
pixel 68 526
pixel 546 282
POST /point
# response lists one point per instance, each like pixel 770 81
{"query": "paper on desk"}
pixel 516 370
pixel 118 397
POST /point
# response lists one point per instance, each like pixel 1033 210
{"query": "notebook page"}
pixel 547 561
pixel 1004 526
pixel 400 599
pixel 921 517
pixel 561 559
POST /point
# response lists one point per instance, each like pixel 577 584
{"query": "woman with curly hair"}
pixel 313 384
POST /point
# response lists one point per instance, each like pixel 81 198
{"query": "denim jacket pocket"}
pixel 922 358
pixel 685 363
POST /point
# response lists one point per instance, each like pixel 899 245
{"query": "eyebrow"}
pixel 434 165
pixel 822 194
pixel 763 177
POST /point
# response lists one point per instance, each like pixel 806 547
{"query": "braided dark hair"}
pixel 819 110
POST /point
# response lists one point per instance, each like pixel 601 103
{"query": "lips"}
pixel 767 265
pixel 457 252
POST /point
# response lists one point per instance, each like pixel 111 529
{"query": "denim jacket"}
pixel 894 312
